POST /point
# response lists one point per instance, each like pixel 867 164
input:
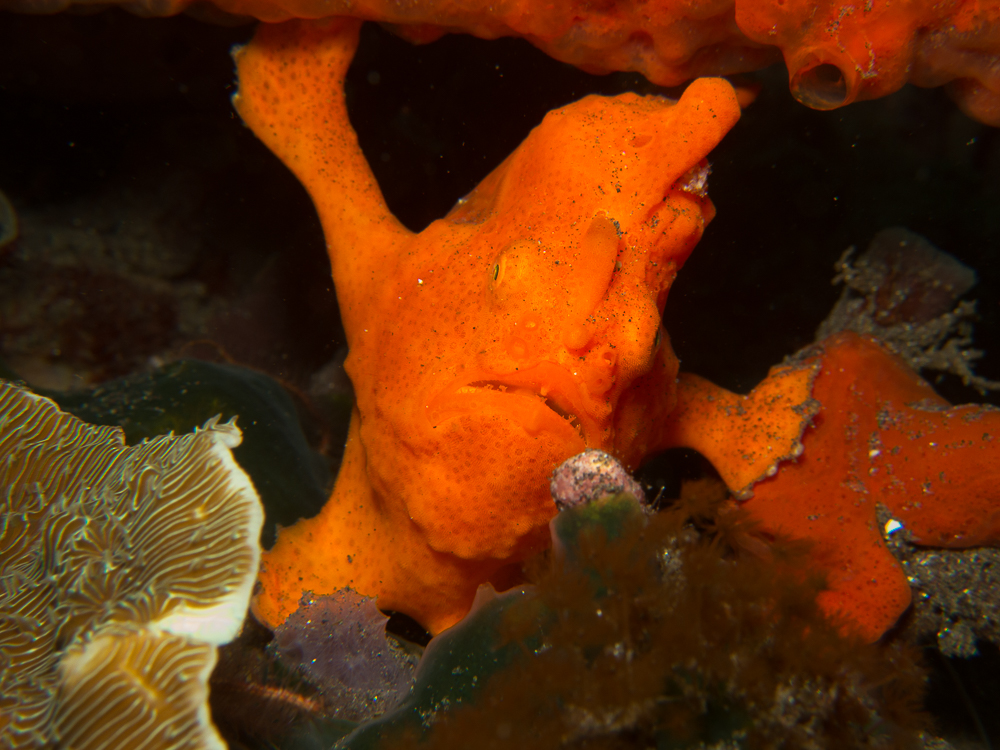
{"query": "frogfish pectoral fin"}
pixel 744 437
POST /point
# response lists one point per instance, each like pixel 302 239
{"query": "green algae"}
pixel 655 631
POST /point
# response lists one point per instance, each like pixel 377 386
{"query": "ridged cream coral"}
pixel 121 569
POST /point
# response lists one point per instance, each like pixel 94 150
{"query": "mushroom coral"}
pixel 836 52
pixel 121 570
pixel 882 439
pixel 503 339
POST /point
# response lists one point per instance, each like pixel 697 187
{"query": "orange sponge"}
pixel 883 437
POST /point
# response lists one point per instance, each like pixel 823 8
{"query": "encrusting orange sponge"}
pixel 836 51
pixel 508 336
pixel 839 52
pixel 883 437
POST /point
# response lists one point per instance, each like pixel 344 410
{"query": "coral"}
pixel 901 291
pixel 122 569
pixel 289 476
pixel 501 340
pixel 836 52
pixel 652 631
pixel 882 437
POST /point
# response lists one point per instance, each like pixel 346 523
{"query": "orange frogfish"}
pixel 517 331
pixel 525 326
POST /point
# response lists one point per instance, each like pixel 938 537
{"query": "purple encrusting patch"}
pixel 339 643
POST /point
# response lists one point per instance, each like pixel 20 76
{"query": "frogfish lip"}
pixel 535 406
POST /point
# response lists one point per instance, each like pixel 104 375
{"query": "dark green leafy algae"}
pixel 678 630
